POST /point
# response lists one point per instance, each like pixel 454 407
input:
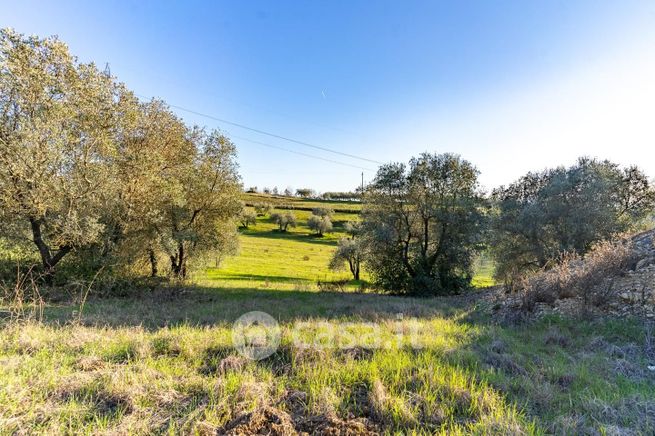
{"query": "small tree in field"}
pixel 353 228
pixel 319 224
pixel 323 211
pixel 263 209
pixel 247 218
pixel 284 221
pixel 288 192
pixel 349 252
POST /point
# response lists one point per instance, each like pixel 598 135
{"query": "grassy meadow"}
pixel 349 362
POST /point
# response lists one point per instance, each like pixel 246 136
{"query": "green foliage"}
pixel 565 210
pixel 349 252
pixel 343 196
pixel 284 220
pixel 320 224
pixel 323 211
pixel 423 225
pixel 87 170
pixel 247 218
pixel 263 209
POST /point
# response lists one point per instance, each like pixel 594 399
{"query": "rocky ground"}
pixel 633 291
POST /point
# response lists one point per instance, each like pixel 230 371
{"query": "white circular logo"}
pixel 256 335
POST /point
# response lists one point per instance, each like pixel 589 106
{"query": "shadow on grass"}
pixel 206 306
pixel 290 236
pixel 219 275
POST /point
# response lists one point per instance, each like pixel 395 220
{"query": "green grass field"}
pixel 163 361
pixel 296 259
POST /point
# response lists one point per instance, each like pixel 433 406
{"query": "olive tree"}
pixel 86 168
pixel 197 218
pixel 263 209
pixel 247 218
pixel 543 215
pixel 57 146
pixel 319 224
pixel 323 211
pixel 284 220
pixel 353 228
pixel 349 252
pixel 423 224
pixel 305 192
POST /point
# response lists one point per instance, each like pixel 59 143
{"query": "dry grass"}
pixel 109 372
pixel 589 278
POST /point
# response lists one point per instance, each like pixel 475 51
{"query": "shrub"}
pixel 263 209
pixel 323 211
pixel 590 278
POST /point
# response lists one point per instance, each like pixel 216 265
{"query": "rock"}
pixel 651 367
pixel 625 296
pixel 644 263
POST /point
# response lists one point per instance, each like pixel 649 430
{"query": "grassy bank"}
pixel 165 362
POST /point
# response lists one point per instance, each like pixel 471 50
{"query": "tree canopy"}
pixel 423 223
pixel 561 210
pixel 87 168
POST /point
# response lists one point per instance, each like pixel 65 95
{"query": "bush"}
pixel 263 209
pixel 590 278
pixel 323 211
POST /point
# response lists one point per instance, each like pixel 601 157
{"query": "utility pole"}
pixel 362 182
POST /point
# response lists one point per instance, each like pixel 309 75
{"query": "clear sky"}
pixel 512 86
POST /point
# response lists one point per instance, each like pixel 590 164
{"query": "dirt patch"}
pixel 295 401
pixel 331 425
pixel 263 421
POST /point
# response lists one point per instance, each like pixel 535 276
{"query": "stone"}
pixel 644 263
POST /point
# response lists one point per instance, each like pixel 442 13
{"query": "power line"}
pixel 300 153
pixel 273 135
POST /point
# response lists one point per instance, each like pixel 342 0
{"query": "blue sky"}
pixel 512 86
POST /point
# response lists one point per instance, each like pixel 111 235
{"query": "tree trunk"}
pixel 48 260
pixel 178 262
pixel 153 263
pixel 354 268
